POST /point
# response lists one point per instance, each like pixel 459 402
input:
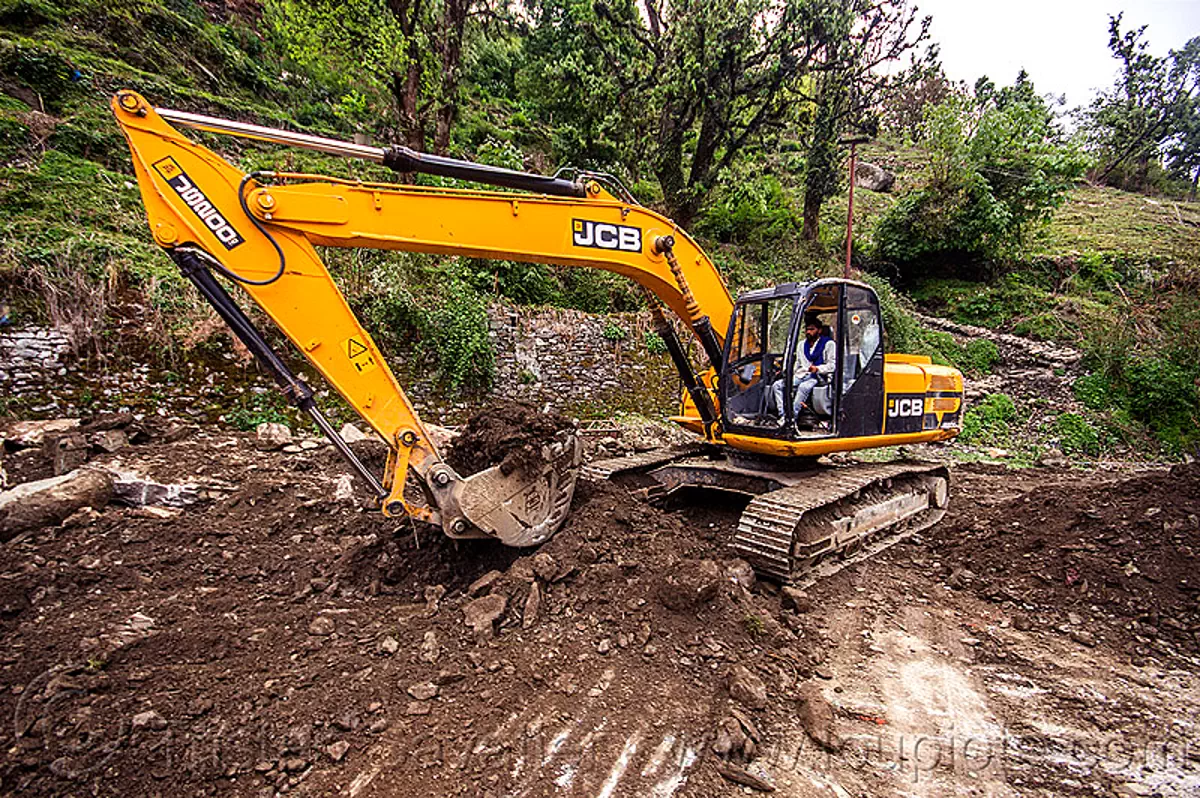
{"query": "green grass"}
pixel 1155 231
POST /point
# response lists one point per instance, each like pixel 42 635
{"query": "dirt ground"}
pixel 273 636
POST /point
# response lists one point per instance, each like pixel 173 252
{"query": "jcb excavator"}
pixel 259 230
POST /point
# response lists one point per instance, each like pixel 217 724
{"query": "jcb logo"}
pixel 903 408
pixel 606 236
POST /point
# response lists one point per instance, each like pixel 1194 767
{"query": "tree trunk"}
pixel 453 22
pixel 812 215
pixel 406 88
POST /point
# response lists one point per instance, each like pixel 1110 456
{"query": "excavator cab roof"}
pixel 797 289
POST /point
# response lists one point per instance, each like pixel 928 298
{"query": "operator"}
pixel 817 356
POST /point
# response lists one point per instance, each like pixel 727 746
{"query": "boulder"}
pixel 689 584
pixel 30 434
pixel 872 177
pixel 66 450
pixel 48 502
pixel 817 718
pixel 482 613
pixel 747 688
pixel 270 435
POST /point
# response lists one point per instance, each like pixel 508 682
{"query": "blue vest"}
pixel 816 358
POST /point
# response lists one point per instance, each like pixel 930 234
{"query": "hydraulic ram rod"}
pixel 400 159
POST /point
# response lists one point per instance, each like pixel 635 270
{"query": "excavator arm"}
pixel 260 231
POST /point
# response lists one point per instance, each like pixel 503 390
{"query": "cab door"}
pixel 860 411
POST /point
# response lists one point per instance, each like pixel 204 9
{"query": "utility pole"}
pixel 853 141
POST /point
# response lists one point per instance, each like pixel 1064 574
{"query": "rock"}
pixel 417 708
pixel 149 720
pixel 795 599
pixel 1021 622
pixel 84 516
pixel 378 726
pixel 872 177
pixel 49 502
pixel 533 606
pixel 747 688
pixel 108 441
pixel 960 577
pixel 30 434
pixel 66 451
pixel 429 647
pixel 545 566
pixel 352 434
pixel 294 764
pixel 689 584
pixel 388 646
pixel 604 646
pixel 423 691
pixel 1083 637
pixel 817 718
pixel 739 775
pixel 484 583
pixel 337 751
pixel 742 573
pixel 322 626
pixel 448 677
pixel 482 613
pixel 730 738
pixel 269 436
pixel 136 490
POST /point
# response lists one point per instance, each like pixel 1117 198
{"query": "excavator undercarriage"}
pixel 802 521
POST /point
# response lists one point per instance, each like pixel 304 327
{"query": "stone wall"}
pixel 30 359
pixel 579 363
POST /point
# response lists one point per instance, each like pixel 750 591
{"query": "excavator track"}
pixel 838 516
pixel 805 525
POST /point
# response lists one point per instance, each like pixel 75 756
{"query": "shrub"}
pixel 753 210
pixel 989 421
pixel 454 328
pixel 614 332
pixel 1093 391
pixel 1076 435
pixel 979 355
pixel 654 343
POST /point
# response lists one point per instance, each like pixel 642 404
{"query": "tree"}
pixel 700 81
pixel 997 168
pixel 851 85
pixel 409 50
pixel 1129 124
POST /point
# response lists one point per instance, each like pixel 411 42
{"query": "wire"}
pixel 219 267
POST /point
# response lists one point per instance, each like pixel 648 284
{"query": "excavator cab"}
pixel 763 362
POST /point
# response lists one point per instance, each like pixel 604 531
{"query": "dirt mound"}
pixel 1113 560
pixel 508 434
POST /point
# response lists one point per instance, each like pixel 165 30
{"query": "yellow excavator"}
pixel 754 437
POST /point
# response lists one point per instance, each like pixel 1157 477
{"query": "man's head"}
pixel 812 328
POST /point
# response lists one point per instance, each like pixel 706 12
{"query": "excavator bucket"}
pixel 526 506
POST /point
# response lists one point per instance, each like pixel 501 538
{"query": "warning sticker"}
pixel 356 349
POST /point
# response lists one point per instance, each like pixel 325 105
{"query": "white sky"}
pixel 1063 44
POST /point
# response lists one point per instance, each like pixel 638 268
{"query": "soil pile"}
pixel 508 434
pixel 1115 560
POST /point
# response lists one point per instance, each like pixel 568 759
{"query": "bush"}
pixel 989 421
pixel 454 328
pixel 654 343
pixel 614 332
pixel 979 355
pixel 754 210
pixel 1076 435
pixel 1093 391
